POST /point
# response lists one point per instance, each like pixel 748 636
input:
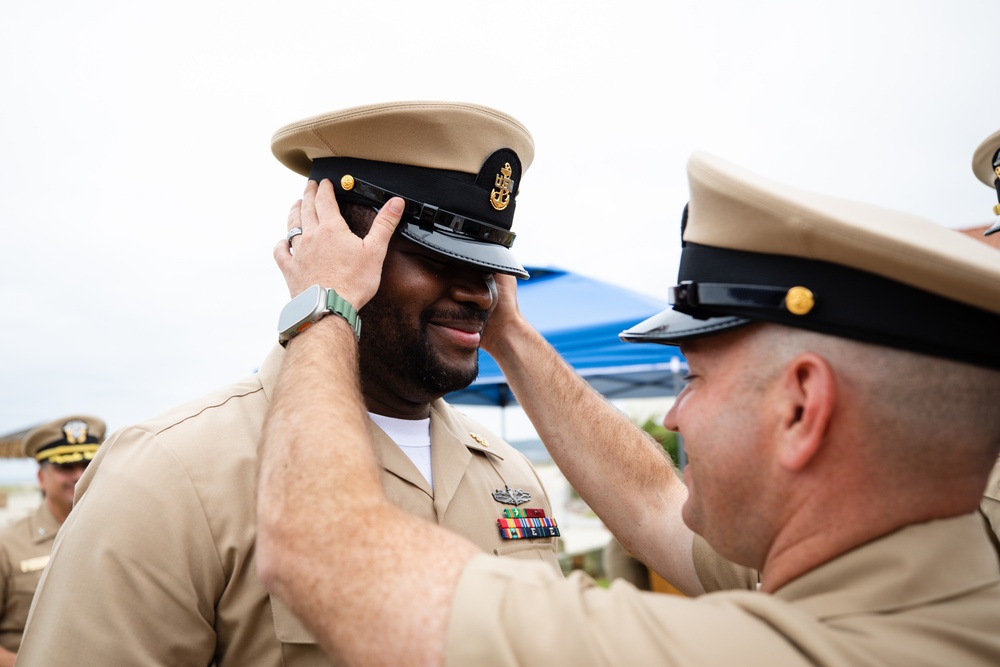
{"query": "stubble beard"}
pixel 406 359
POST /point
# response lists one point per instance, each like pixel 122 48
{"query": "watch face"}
pixel 301 310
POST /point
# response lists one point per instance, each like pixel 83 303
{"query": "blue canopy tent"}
pixel 581 317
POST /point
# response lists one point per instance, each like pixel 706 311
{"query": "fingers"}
pixel 307 208
pixel 326 252
pixel 317 206
pixel 281 254
pixel 504 318
pixel 507 287
pixel 385 222
pixel 294 216
pixel 325 206
pixel 507 309
pixel 491 283
pixel 283 258
pixel 294 222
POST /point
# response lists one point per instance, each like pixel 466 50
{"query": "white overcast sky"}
pixel 139 200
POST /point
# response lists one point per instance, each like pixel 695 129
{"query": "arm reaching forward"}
pixel 616 468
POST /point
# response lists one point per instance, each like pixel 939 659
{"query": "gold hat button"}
pixel 799 300
pixel 347 182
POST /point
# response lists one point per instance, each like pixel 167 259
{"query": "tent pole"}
pixel 504 396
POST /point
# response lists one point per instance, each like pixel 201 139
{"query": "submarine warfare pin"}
pixel 511 496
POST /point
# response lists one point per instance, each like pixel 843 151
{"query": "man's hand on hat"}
pixel 320 249
pixel 505 317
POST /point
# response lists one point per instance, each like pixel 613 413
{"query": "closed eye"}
pixel 435 263
pixel 431 261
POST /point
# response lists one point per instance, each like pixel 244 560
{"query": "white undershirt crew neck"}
pixel 413 436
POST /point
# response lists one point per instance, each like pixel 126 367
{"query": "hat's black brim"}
pixel 488 256
pixel 672 327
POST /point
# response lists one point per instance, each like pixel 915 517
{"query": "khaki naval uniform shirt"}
pixel 928 594
pixel 156 566
pixel 25 546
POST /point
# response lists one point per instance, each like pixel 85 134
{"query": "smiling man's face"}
pixel 727 418
pixel 421 331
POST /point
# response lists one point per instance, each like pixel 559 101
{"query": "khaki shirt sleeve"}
pixel 718 574
pixel 872 605
pixel 131 570
pixel 506 613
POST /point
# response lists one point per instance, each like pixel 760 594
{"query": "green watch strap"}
pixel 338 305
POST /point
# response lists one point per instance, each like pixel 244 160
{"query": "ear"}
pixel 808 395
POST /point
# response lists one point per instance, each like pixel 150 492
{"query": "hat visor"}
pixel 672 327
pixel 487 256
pixel 993 230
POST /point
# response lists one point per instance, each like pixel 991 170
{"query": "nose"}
pixel 76 473
pixel 670 419
pixel 475 287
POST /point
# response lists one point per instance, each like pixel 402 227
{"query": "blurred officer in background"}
pixel 63 449
pixel 986 165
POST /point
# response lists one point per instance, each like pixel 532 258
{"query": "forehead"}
pixel 726 345
pixel 64 467
pixel 707 347
pixel 400 243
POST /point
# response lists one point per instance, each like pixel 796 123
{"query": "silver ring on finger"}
pixel 295 231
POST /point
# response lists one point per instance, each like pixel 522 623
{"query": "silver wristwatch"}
pixel 310 306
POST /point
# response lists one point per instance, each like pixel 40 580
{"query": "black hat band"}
pixel 430 217
pixel 464 195
pixel 833 299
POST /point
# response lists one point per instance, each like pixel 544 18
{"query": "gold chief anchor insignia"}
pixel 500 195
pixel 511 496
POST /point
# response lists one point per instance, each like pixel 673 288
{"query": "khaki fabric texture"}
pixel 456 136
pixel 155 565
pixel 25 546
pixel 908 598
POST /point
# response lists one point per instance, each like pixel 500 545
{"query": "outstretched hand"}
pixel 327 253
